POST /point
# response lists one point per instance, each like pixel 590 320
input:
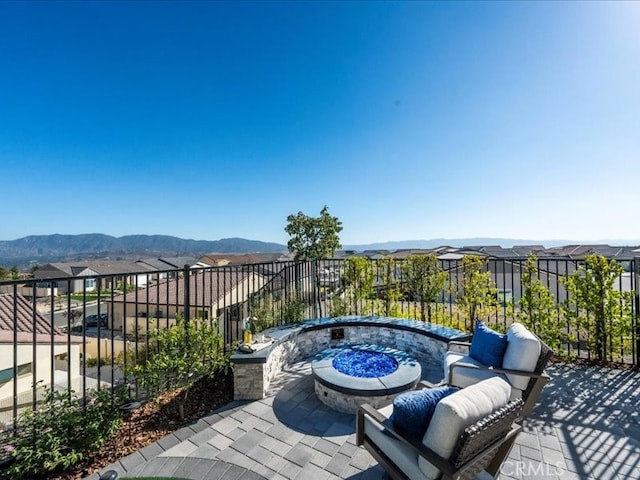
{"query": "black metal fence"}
pixel 74 333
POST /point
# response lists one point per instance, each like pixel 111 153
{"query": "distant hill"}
pixel 480 241
pixel 48 248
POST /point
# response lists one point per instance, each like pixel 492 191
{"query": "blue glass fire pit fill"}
pixel 365 364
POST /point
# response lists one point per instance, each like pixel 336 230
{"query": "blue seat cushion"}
pixel 412 411
pixel 488 346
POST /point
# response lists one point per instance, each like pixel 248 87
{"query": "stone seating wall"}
pixel 254 372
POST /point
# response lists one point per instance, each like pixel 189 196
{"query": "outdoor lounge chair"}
pixel 523 366
pixel 471 433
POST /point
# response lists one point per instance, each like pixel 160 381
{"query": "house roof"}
pixel 91 267
pixel 117 267
pixel 59 270
pixel 216 259
pixel 205 287
pixel 26 321
pixel 408 252
pixel 581 251
pixel 153 264
pixel 178 262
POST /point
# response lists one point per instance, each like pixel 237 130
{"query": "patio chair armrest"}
pixel 458 346
pixel 449 469
pixel 419 448
pixel 531 393
pixel 422 384
pixel 510 371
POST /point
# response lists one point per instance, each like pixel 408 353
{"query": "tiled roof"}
pixel 205 288
pixel 25 322
pixel 153 264
pixel 63 270
pixel 178 262
pixel 116 267
pixel 240 259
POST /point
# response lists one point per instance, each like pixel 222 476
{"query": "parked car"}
pixel 94 320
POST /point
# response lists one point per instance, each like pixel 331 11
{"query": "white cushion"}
pixel 463 377
pixel 523 351
pixel 458 411
pixel 401 455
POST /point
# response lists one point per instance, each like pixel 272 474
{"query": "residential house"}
pixel 213 294
pixel 68 277
pixel 42 354
pixel 168 267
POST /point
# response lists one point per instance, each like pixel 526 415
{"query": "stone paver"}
pixel 586 426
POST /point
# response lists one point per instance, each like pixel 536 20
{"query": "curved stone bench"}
pixel 253 372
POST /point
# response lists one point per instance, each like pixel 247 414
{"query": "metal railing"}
pixel 74 333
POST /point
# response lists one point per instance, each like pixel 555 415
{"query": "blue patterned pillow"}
pixel 488 346
pixel 412 411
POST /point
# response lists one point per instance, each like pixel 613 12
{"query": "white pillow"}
pixel 458 411
pixel 523 351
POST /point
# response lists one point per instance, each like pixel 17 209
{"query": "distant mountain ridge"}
pixel 57 247
pixel 481 241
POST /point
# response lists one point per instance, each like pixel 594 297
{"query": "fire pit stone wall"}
pixel 254 372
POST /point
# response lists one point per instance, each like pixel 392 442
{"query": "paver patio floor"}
pixel 586 426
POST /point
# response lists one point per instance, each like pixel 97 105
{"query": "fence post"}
pixel 186 278
pixel 316 287
pixel 636 318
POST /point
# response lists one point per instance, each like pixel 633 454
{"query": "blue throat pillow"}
pixel 412 411
pixel 488 346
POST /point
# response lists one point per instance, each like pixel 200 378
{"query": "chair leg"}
pixel 503 452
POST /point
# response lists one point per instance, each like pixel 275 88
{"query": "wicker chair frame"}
pixel 537 379
pixel 482 446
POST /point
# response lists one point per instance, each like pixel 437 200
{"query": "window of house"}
pixel 90 283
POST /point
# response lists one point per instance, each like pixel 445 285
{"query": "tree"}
pixel 358 278
pixel 390 291
pixel 596 306
pixel 479 292
pixel 537 309
pixel 425 279
pixel 15 273
pixel 313 238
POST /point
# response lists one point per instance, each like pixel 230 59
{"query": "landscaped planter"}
pixel 253 372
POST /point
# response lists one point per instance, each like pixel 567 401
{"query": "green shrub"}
pixel 293 310
pixel 425 281
pixel 476 292
pixel 358 279
pixel 338 307
pixel 597 309
pixel 388 304
pixel 98 362
pixel 537 308
pixel 262 311
pixel 63 430
pixel 180 355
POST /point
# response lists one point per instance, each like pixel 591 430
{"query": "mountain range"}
pixel 49 248
pixel 482 241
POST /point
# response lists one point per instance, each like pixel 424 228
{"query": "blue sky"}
pixel 410 120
